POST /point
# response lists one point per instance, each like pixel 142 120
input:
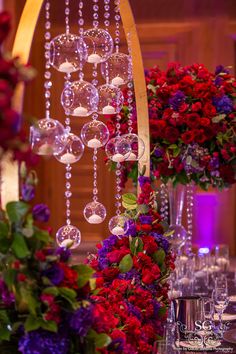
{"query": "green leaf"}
pixel 129 198
pixel 143 208
pixel 165 225
pixel 42 235
pixel 4 229
pixel 19 246
pixel 9 277
pixel 92 283
pixel 67 293
pixel 218 118
pixel 126 263
pixel 4 319
pixel 29 300
pixel 162 311
pixel 17 210
pixel 101 339
pixel 5 242
pixel 85 272
pixel 136 245
pixel 32 323
pixel 5 334
pixel 51 290
pixel 159 256
pixel 129 206
pixel 49 326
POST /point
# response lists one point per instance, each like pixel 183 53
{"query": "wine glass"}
pixel 221 282
pixel 222 257
pixel 220 298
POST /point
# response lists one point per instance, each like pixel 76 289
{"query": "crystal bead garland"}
pixel 68 235
pixel 95 135
pixel 164 202
pixel 190 206
pixel 45 135
pixel 118 225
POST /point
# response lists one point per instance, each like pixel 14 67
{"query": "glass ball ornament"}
pixel 111 99
pixel 178 236
pixel 95 212
pixel 68 236
pixel 117 68
pixel 46 137
pixel 118 149
pixel 95 134
pixel 73 149
pixel 118 225
pixel 99 45
pixel 137 147
pixel 80 99
pixel 67 52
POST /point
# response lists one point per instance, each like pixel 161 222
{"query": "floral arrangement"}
pixel 12 137
pixel 132 272
pixel 45 303
pixel 192 115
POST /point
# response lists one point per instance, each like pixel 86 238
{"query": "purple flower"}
pixel 221 69
pixel 131 228
pixel 6 297
pixel 142 180
pixel 162 241
pixel 81 320
pixel 177 100
pixel 44 342
pixel 64 253
pixel 27 192
pixel 145 219
pixel 158 152
pixel 117 345
pixel 41 212
pixel 55 274
pixel 223 104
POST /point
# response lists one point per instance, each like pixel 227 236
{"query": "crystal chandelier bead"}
pixel 118 149
pixel 99 45
pixel 111 99
pixel 117 68
pixel 80 99
pixel 95 212
pixel 95 134
pixel 137 146
pixel 46 137
pixel 68 236
pixel 67 52
pixel 118 225
pixel 73 149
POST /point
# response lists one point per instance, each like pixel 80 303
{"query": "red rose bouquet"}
pixel 192 114
pixel 132 272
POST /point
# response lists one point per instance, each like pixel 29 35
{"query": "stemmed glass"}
pixel 221 299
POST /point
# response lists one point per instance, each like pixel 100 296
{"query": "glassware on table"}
pixel 220 299
pixel 221 282
pixel 160 347
pixel 222 256
pixel 201 275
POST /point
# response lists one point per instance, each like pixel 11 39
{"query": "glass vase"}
pixel 176 194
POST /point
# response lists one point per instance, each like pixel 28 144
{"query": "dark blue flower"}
pixel 142 180
pixel 44 342
pixel 223 104
pixel 64 253
pixel 27 192
pixel 41 212
pixel 145 219
pixel 117 345
pixel 158 152
pixel 162 241
pixel 81 320
pixel 221 69
pixel 177 100
pixel 55 274
pixel 131 228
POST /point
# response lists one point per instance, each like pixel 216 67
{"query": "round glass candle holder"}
pixel 99 45
pixel 118 225
pixel 95 212
pixel 73 150
pixel 67 52
pixel 137 147
pixel 95 134
pixel 118 149
pixel 68 236
pixel 117 68
pixel 80 99
pixel 111 99
pixel 46 137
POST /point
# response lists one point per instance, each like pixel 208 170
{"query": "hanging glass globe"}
pixel 118 225
pixel 46 137
pixel 117 68
pixel 80 99
pixel 73 150
pixel 111 99
pixel 137 146
pixel 95 212
pixel 118 149
pixel 67 52
pixel 68 236
pixel 99 45
pixel 95 134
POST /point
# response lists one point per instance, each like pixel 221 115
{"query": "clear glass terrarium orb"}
pixel 118 225
pixel 111 99
pixel 80 99
pixel 99 45
pixel 46 137
pixel 137 147
pixel 95 134
pixel 117 68
pixel 95 212
pixel 118 149
pixel 67 52
pixel 68 236
pixel 73 149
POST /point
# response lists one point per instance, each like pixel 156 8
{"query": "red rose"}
pixel 192 120
pixel 117 255
pixel 200 137
pixel 171 134
pixel 21 277
pixel 196 107
pixel 209 110
pixel 40 256
pixel 149 275
pixel 164 169
pixel 227 173
pixel 16 265
pixel 205 122
pixel 110 273
pixel 187 137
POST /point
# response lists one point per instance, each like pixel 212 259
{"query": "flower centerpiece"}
pixel 192 114
pixel 45 303
pixel 132 271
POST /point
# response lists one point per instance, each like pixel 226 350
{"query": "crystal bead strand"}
pixel 117 25
pixel 130 92
pixel 190 206
pixel 81 33
pixel 47 74
pixel 164 202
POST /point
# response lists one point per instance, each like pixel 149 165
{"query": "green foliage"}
pixel 19 246
pixel 136 245
pixel 126 263
pixel 85 273
pixel 101 340
pixel 159 256
pixel 129 201
pixel 16 211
